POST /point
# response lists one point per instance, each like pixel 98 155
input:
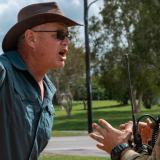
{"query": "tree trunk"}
pixel 137 102
pixel 84 105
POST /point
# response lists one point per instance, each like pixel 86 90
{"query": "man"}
pixel 115 141
pixel 36 43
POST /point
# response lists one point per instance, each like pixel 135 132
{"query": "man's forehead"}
pixel 51 25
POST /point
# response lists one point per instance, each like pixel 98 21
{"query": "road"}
pixel 75 145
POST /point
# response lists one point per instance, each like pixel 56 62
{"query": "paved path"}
pixel 76 145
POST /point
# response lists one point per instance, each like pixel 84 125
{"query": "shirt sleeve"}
pixel 132 155
pixel 2 74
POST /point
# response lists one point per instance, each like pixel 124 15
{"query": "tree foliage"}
pixel 129 27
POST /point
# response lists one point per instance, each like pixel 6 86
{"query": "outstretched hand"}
pixel 145 129
pixel 108 137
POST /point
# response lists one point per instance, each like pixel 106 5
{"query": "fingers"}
pixel 105 124
pixel 149 123
pixel 128 135
pixel 142 125
pixel 101 146
pixel 98 128
pixel 97 137
pixel 108 136
pixel 129 126
pixel 100 131
pixel 104 128
pixel 122 126
pixel 145 131
pixel 126 126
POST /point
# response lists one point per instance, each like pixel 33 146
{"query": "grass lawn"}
pixel 111 111
pixel 64 157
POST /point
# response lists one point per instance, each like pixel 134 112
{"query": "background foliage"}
pixel 128 27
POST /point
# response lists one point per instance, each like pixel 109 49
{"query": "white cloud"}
pixel 76 2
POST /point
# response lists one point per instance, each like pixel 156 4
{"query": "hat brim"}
pixel 10 40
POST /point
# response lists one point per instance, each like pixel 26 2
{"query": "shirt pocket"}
pixel 25 110
pixel 47 120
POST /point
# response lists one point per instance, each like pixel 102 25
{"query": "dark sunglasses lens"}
pixel 61 35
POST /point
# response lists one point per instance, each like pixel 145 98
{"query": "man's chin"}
pixel 58 66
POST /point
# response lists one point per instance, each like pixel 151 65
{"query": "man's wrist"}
pixel 124 151
pixel 129 153
pixel 118 150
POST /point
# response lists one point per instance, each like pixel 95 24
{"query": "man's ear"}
pixel 30 38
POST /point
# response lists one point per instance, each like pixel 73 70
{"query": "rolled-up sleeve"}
pixel 132 155
pixel 2 74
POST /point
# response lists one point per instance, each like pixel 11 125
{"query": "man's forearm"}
pixel 132 155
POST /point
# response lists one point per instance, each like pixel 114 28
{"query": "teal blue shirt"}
pixel 25 120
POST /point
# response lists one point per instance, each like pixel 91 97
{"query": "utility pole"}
pixel 88 58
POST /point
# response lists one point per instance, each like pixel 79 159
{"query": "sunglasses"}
pixel 61 35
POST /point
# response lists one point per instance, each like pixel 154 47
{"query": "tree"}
pixel 125 28
pixel 146 47
pixel 112 40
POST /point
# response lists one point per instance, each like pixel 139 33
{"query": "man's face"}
pixel 51 47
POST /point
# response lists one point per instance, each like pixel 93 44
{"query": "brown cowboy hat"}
pixel 33 15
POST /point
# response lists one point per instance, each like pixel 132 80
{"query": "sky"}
pixel 71 8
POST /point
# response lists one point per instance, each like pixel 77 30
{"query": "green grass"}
pixel 68 133
pixel 64 157
pixel 111 111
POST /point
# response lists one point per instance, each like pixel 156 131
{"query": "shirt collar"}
pixel 50 87
pixel 16 60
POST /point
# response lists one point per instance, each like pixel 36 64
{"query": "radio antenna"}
pixel 136 135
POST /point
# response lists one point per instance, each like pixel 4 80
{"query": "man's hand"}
pixel 145 129
pixel 108 136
